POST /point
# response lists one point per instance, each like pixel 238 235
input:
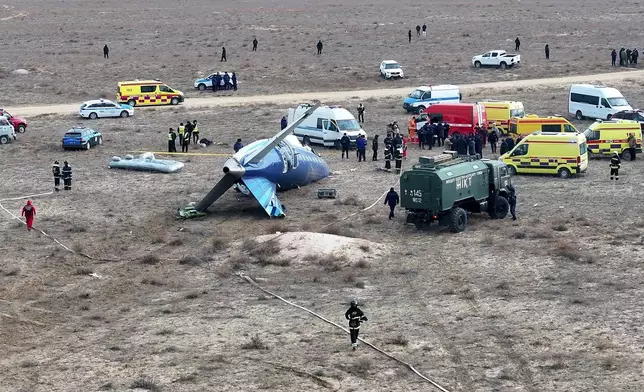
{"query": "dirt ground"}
pixel 60 43
pixel 549 302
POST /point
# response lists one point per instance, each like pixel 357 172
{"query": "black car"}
pixel 633 115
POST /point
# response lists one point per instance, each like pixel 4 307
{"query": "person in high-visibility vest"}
pixel 172 137
pixel 181 131
pixel 195 132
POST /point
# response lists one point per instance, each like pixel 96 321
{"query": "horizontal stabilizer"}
pixel 264 192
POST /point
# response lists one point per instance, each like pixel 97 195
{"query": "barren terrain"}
pixel 549 302
pixel 60 43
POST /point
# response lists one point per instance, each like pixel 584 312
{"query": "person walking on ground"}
pixel 615 165
pixel 223 54
pixel 106 52
pixel 233 80
pixel 517 44
pixel 195 131
pixel 409 34
pixel 512 200
pixel 320 46
pixel 361 113
pixel 283 122
pixel 238 145
pixel 254 44
pixel 417 30
pixel 493 138
pixel 355 317
pixel 67 176
pixel 345 143
pixel 547 52
pixel 374 147
pixel 29 212
pixel 392 199
pixel 172 138
pixel 185 142
pixel 424 30
pixel 632 145
pixel 55 170
pixel 361 146
pixel 613 57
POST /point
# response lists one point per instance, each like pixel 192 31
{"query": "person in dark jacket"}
pixel 345 143
pixel 418 30
pixel 439 134
pixel 67 176
pixel 55 170
pixel 361 113
pixel 195 131
pixel 254 44
pixel 478 145
pixel 461 145
pixel 613 57
pixel 629 59
pixel 319 46
pixel 424 30
pixel 238 145
pixel 185 142
pixel 106 52
pixel 355 317
pixel 517 44
pixel 471 145
pixel 374 147
pixel 547 50
pixel 622 57
pixel 422 135
pixel 634 55
pixel 226 81
pixel 188 130
pixel 392 199
pixel 445 131
pixel 172 137
pixel 223 54
pixel 283 123
pixel 512 200
pixel 361 146
pixel 388 141
pixel 233 80
pixel 493 139
pixel 615 165
pixel 409 35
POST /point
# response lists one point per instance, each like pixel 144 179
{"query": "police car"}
pixel 81 137
pixel 104 108
pixel 204 83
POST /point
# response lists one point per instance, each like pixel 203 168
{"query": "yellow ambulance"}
pixel 605 137
pixel 500 112
pixel 147 92
pixel 532 123
pixel 562 154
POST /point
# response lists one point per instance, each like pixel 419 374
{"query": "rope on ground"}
pixel 411 367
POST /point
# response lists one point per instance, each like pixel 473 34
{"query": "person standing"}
pixel 180 131
pixel 238 145
pixel 226 81
pixel 355 317
pixel 345 143
pixel 172 137
pixel 255 44
pixel 632 145
pixel 233 80
pixel 223 54
pixel 409 34
pixel 388 152
pixel 188 130
pixel 493 139
pixel 374 147
pixel 478 145
pixel 67 176
pixel 29 212
pixel 417 30
pixel 361 146
pixel 424 30
pixel 517 44
pixel 629 59
pixel 185 142
pixel 439 134
pixel 547 52
pixel 392 199
pixel 445 131
pixel 613 57
pixel 615 164
pixel 283 122
pixel 55 170
pixel 106 52
pixel 361 113
pixel 195 131
pixel 319 46
pixel 512 200
pixel 635 54
pixel 398 153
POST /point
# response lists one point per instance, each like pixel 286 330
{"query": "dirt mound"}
pixel 302 246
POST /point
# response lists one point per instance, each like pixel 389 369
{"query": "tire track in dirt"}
pixel 330 96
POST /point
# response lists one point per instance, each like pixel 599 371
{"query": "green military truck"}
pixel 446 187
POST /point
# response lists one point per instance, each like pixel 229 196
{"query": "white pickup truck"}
pixel 496 58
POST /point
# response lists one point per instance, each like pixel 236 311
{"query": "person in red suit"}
pixel 29 211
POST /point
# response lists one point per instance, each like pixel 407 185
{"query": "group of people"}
pixel 432 134
pixel 418 30
pixel 627 57
pixel 185 133
pixel 65 173
pixel 224 81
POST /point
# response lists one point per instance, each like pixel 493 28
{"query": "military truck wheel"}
pixel 512 170
pixel 564 173
pixel 502 207
pixel 457 220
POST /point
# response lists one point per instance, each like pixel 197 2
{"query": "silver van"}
pixel 7 133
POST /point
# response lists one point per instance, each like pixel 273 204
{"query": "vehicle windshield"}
pixel 640 116
pixel 73 134
pixel 83 106
pixel 165 89
pixel 392 66
pixel 517 113
pixel 6 114
pixel 621 101
pixel 588 133
pixel 416 94
pixel 348 125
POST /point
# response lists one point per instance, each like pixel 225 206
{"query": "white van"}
pixel 325 126
pixel 587 100
pixel 425 96
pixel 7 133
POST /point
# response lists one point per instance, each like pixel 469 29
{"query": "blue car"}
pixel 81 138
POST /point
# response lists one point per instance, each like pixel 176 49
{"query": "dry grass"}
pixel 399 340
pixel 145 383
pixel 150 259
pixel 332 263
pixel 218 244
pixel 191 260
pixel 350 201
pixel 255 343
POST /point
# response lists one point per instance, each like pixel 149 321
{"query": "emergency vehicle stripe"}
pixel 541 121
pixel 548 142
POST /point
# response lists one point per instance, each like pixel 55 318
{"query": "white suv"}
pixel 391 69
pixel 7 133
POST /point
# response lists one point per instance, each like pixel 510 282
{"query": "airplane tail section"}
pixel 264 191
